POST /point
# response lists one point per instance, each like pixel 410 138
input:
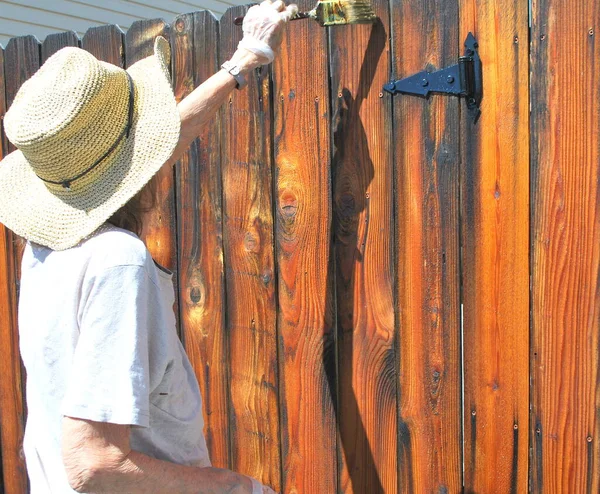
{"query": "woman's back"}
pixel 98 339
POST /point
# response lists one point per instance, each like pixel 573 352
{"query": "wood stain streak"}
pixel 472 464
pixel 406 465
pixel 514 474
pixel 537 470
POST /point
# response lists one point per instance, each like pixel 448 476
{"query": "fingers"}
pixel 279 6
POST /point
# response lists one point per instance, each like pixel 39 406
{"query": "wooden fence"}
pixel 377 294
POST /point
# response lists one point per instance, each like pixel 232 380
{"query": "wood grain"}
pixel 160 224
pixel 565 427
pixel 495 237
pixel 303 243
pixel 250 270
pixel 199 234
pixel 427 253
pixel 364 240
pixel 21 60
pixel 105 43
pixel 55 42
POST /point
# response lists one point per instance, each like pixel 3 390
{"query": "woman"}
pixel 113 403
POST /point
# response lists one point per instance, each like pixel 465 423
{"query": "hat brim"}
pixel 60 219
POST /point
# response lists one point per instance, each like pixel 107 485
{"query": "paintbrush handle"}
pixel 238 21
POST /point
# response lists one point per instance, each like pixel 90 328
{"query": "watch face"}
pixel 235 70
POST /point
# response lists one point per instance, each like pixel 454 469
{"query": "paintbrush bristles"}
pixel 339 12
pixel 360 12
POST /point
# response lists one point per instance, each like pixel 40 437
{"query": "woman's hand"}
pixel 263 29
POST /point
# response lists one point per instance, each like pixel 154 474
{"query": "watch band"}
pixel 234 70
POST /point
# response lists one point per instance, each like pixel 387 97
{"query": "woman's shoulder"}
pixel 111 246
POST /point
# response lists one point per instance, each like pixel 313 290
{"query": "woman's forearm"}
pixel 98 459
pixel 139 473
pixel 142 474
pixel 201 105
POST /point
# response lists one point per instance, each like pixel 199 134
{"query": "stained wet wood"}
pixel 250 269
pixel 362 171
pixel 306 296
pixel 425 36
pixel 160 224
pixel 199 247
pixel 495 235
pixel 565 246
pixel 343 267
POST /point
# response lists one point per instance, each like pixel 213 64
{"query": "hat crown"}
pixel 68 113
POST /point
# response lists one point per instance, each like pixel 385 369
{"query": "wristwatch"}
pixel 234 70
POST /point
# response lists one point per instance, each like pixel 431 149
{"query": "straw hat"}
pixel 89 136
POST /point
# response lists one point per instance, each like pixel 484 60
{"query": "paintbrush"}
pixel 335 13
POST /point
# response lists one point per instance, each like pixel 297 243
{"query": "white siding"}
pixel 43 17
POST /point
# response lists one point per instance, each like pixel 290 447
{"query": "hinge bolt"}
pixel 450 79
pixel 424 83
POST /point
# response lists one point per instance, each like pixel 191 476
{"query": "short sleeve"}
pixel 118 349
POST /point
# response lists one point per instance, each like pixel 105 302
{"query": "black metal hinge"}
pixel 462 79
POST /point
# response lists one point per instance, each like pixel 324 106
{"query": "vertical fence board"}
pixel 13 476
pixel 160 224
pixel 427 214
pixel 199 220
pixel 21 61
pixel 12 418
pixel 105 43
pixel 495 234
pixel 565 246
pixel 250 270
pixel 303 242
pixel 55 42
pixel 362 171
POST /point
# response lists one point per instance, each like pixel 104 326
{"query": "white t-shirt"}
pixel 98 339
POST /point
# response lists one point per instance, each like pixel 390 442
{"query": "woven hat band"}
pixel 93 129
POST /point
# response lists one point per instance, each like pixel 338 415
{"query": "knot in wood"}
pixel 195 294
pixel 251 242
pixel 288 204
